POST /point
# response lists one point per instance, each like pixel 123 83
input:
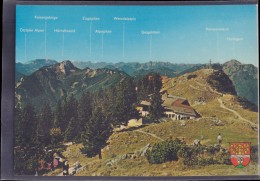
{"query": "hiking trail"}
pixel 153 135
pixel 235 112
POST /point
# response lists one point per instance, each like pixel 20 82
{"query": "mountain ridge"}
pixel 134 68
pixel 244 78
pixel 55 82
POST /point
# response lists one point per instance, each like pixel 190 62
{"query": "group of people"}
pixel 57 161
pixel 65 168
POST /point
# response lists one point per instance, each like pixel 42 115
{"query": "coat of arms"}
pixel 240 153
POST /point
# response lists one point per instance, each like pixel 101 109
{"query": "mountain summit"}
pixel 232 62
pixel 63 68
pixel 244 78
pixel 206 87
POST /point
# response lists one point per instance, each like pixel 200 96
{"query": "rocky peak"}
pixel 234 67
pixel 232 62
pixel 65 67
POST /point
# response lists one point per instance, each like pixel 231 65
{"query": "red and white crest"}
pixel 240 153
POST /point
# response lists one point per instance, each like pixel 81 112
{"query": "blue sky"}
pixel 188 34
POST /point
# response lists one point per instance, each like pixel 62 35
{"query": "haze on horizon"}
pixel 175 34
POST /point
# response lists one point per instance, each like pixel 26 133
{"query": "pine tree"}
pixel 108 101
pixel 150 83
pixel 28 126
pixel 84 112
pixel 105 99
pixel 70 111
pixel 70 108
pixel 59 117
pixel 26 158
pixel 130 99
pixel 71 132
pixel 147 85
pixel 45 124
pixel 156 83
pixel 17 126
pixel 156 108
pixel 98 130
pixel 143 88
pixel 122 109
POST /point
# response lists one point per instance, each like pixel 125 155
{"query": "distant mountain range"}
pixel 136 69
pixel 243 76
pixel 32 66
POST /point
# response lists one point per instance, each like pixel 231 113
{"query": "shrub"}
pixel 190 152
pixel 212 150
pixel 185 152
pixel 206 161
pixel 190 161
pixel 199 161
pixel 170 150
pixel 164 151
pixel 195 155
pixel 191 76
pixel 225 158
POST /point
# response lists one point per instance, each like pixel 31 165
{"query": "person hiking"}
pixel 65 168
pixel 75 168
pixel 219 138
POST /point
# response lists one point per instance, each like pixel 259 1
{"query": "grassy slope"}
pixel 130 141
pixel 119 145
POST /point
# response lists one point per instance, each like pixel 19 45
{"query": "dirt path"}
pixel 222 111
pixel 153 135
pixel 203 85
pixel 196 88
pixel 209 87
pixel 234 112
